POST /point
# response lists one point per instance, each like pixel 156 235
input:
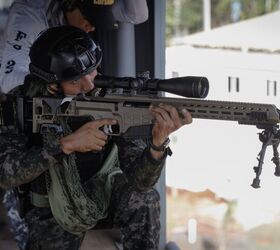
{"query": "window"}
pixel 233 84
pixel 271 88
pixel 175 74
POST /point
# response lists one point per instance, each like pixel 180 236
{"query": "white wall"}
pixel 253 71
pixel 220 155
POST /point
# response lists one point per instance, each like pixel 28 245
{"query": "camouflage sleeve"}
pixel 20 165
pixel 141 170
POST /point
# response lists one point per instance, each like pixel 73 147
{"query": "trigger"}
pixel 107 129
pixel 111 129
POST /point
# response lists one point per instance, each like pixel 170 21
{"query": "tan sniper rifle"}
pixel 130 109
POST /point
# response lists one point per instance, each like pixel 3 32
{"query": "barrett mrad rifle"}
pixel 131 109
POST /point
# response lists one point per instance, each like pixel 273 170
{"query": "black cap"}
pixel 99 13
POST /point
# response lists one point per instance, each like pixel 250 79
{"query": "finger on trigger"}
pixel 101 122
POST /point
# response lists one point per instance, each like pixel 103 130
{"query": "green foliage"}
pixel 221 10
pixel 257 7
pixel 186 16
pixel 183 17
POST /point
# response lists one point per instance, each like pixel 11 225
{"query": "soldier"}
pixel 26 20
pixel 81 176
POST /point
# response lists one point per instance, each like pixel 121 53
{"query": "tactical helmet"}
pixel 63 53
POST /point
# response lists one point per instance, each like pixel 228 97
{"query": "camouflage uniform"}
pixel 134 204
pixel 135 213
pixel 19 227
pixel 16 169
pixel 17 162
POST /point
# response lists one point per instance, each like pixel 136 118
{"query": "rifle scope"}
pixel 188 86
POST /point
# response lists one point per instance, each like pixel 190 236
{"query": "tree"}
pixel 185 16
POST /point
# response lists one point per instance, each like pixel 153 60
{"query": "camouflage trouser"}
pixel 135 214
pixel 46 234
pixel 18 226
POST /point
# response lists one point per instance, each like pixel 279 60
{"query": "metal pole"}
pixel 126 50
pixel 207 15
pixel 159 62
